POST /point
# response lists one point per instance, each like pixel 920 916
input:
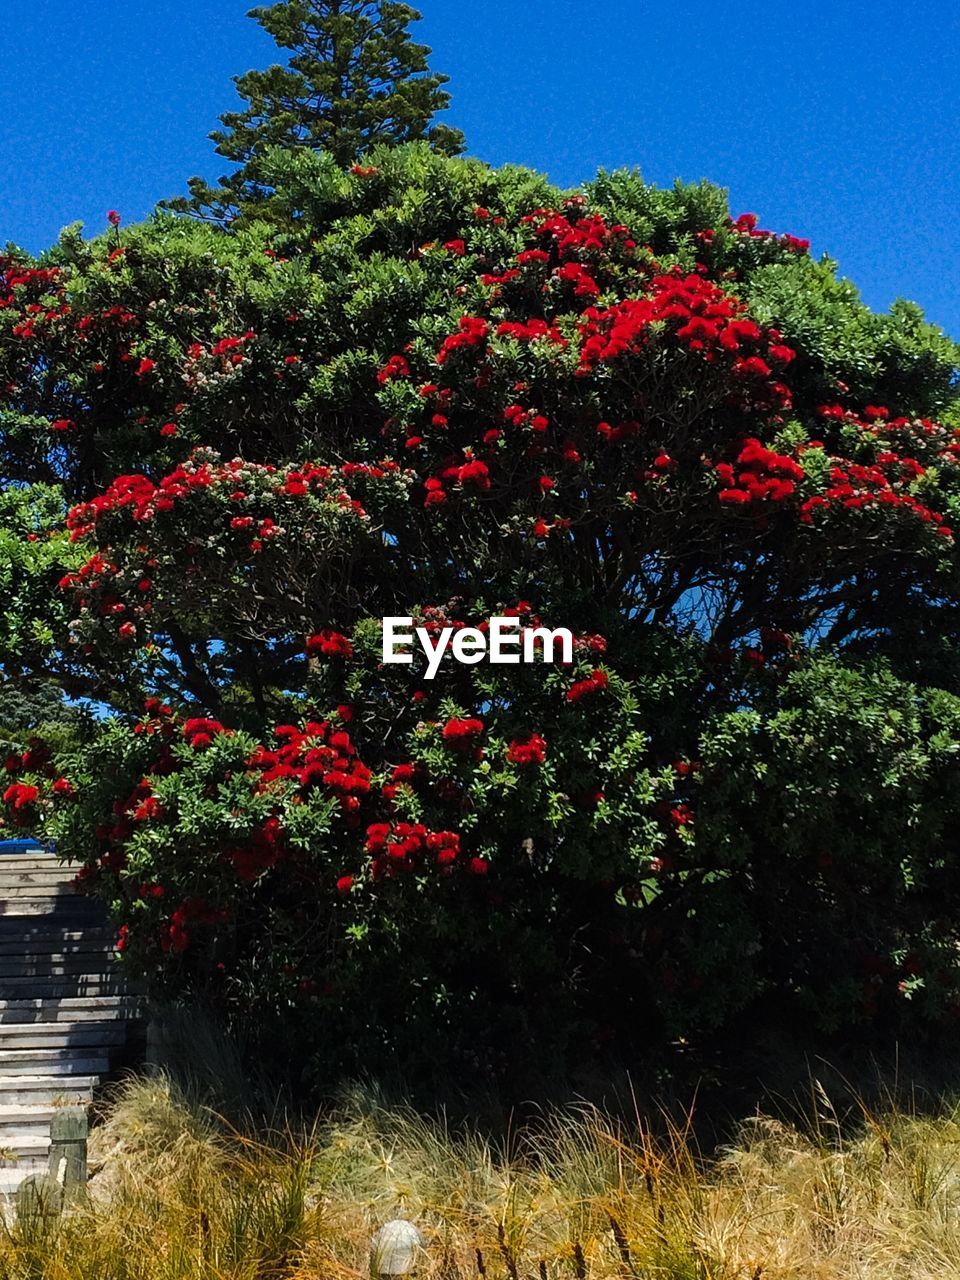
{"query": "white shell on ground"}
pixel 395 1247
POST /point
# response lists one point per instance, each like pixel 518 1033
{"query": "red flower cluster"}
pixel 532 751
pixel 473 331
pixel 746 225
pixel 21 795
pixel 473 475
pixel 176 937
pixel 329 644
pixel 762 475
pixel 587 237
pixel 235 481
pixel 459 734
pixel 396 367
pixel 681 815
pixel 531 331
pixel 20 798
pixel 200 733
pixel 596 682
pixel 264 850
pixel 405 847
pixel 316 756
pixel 698 315
pixel 854 487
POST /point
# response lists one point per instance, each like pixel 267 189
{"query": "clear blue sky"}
pixel 837 120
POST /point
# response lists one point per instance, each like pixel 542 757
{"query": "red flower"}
pixel 178 937
pixel 738 497
pixel 113 217
pixel 200 733
pixel 594 683
pixel 145 366
pixel 478 866
pixel 458 733
pixel 21 795
pixel 533 751
pixel 476 474
pixel 344 885
pixel 329 644
pixel 148 809
pixel 63 787
pixel 396 367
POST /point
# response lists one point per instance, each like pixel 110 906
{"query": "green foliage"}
pixel 354 79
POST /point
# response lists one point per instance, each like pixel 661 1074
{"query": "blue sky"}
pixel 832 119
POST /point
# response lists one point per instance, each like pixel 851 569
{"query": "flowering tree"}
pixel 451 392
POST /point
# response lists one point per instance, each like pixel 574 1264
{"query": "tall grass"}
pixel 179 1194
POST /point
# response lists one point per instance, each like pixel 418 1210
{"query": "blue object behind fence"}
pixel 22 846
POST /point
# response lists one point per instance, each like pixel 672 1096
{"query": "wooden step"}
pixel 69 942
pixel 68 987
pixel 78 1037
pixel 33 858
pixel 56 965
pixel 17 1123
pixel 36 869
pixel 61 1062
pixel 41 1091
pixel 69 906
pixel 14 929
pixel 11 893
pixel 12 868
pixel 25 1144
pixel 87 1008
pixel 12 888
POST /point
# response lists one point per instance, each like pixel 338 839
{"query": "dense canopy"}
pixel 428 387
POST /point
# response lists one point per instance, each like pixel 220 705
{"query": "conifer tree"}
pixel 354 79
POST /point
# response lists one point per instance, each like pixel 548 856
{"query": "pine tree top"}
pixel 354 79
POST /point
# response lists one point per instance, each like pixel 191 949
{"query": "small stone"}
pixel 395 1248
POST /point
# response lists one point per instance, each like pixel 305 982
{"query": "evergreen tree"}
pixel 354 79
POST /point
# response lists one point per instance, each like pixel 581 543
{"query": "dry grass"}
pixel 181 1196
